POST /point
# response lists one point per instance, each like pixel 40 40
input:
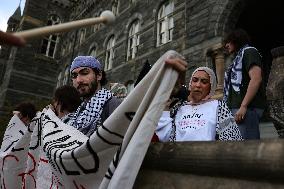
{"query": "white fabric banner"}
pixel 51 154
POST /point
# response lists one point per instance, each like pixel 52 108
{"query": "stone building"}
pixel 143 30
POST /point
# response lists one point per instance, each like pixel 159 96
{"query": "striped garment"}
pixel 233 75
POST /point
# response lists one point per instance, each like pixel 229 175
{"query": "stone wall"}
pixel 196 30
pixel 199 27
pixel 29 75
pixel 255 164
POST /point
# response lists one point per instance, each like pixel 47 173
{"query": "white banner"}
pixel 51 154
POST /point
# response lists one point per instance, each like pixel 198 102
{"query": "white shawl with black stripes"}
pixel 51 154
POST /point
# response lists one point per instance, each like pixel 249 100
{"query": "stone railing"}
pixel 246 164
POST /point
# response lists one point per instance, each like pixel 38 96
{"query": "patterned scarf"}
pixel 173 112
pixel 233 75
pixel 88 115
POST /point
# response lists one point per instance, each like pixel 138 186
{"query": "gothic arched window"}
pixel 59 80
pixel 133 40
pixel 115 7
pixel 82 35
pixel 109 53
pixel 66 76
pixel 165 24
pixel 49 43
pixel 93 52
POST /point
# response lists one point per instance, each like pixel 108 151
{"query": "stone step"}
pixel 267 130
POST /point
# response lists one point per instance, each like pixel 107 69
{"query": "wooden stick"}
pixel 105 17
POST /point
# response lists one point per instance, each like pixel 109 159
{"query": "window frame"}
pixel 50 41
pixel 133 40
pixel 109 53
pixel 165 23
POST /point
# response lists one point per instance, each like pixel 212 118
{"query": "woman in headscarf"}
pixel 201 118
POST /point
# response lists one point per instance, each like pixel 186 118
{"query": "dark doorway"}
pixel 263 21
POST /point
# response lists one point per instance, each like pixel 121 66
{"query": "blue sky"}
pixel 7 8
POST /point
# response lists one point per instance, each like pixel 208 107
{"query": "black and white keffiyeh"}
pixel 68 118
pixel 88 114
pixel 233 75
pixel 227 128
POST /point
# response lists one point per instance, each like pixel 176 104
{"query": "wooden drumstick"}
pixel 105 17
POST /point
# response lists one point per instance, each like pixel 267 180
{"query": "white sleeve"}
pixel 164 127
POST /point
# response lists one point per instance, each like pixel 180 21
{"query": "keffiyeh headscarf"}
pixel 233 75
pixel 87 117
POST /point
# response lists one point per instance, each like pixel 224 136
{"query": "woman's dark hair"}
pixel 238 37
pixel 104 79
pixel 68 97
pixel 27 109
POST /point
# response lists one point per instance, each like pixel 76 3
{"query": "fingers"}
pixel 239 118
pixel 9 39
pixel 177 63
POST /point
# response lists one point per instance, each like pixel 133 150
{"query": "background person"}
pixel 244 89
pixel 26 111
pixel 98 103
pixel 119 90
pixel 66 100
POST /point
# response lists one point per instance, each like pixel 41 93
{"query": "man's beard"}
pixel 92 89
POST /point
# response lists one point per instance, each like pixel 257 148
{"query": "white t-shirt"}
pixel 193 123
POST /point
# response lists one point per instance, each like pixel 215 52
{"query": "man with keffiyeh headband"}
pixel 98 103
pixel 243 86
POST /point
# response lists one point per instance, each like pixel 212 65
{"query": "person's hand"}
pixel 10 39
pixel 178 64
pixel 240 115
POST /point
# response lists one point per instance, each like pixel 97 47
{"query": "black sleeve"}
pixel 109 107
pixel 251 58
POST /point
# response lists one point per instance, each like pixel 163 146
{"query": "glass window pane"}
pixel 171 22
pixel 163 26
pixel 168 10
pixel 161 12
pixel 93 52
pixel 170 34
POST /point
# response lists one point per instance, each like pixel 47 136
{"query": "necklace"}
pixel 194 109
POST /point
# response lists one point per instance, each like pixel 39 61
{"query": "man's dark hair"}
pixel 68 97
pixel 104 79
pixel 27 109
pixel 238 37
